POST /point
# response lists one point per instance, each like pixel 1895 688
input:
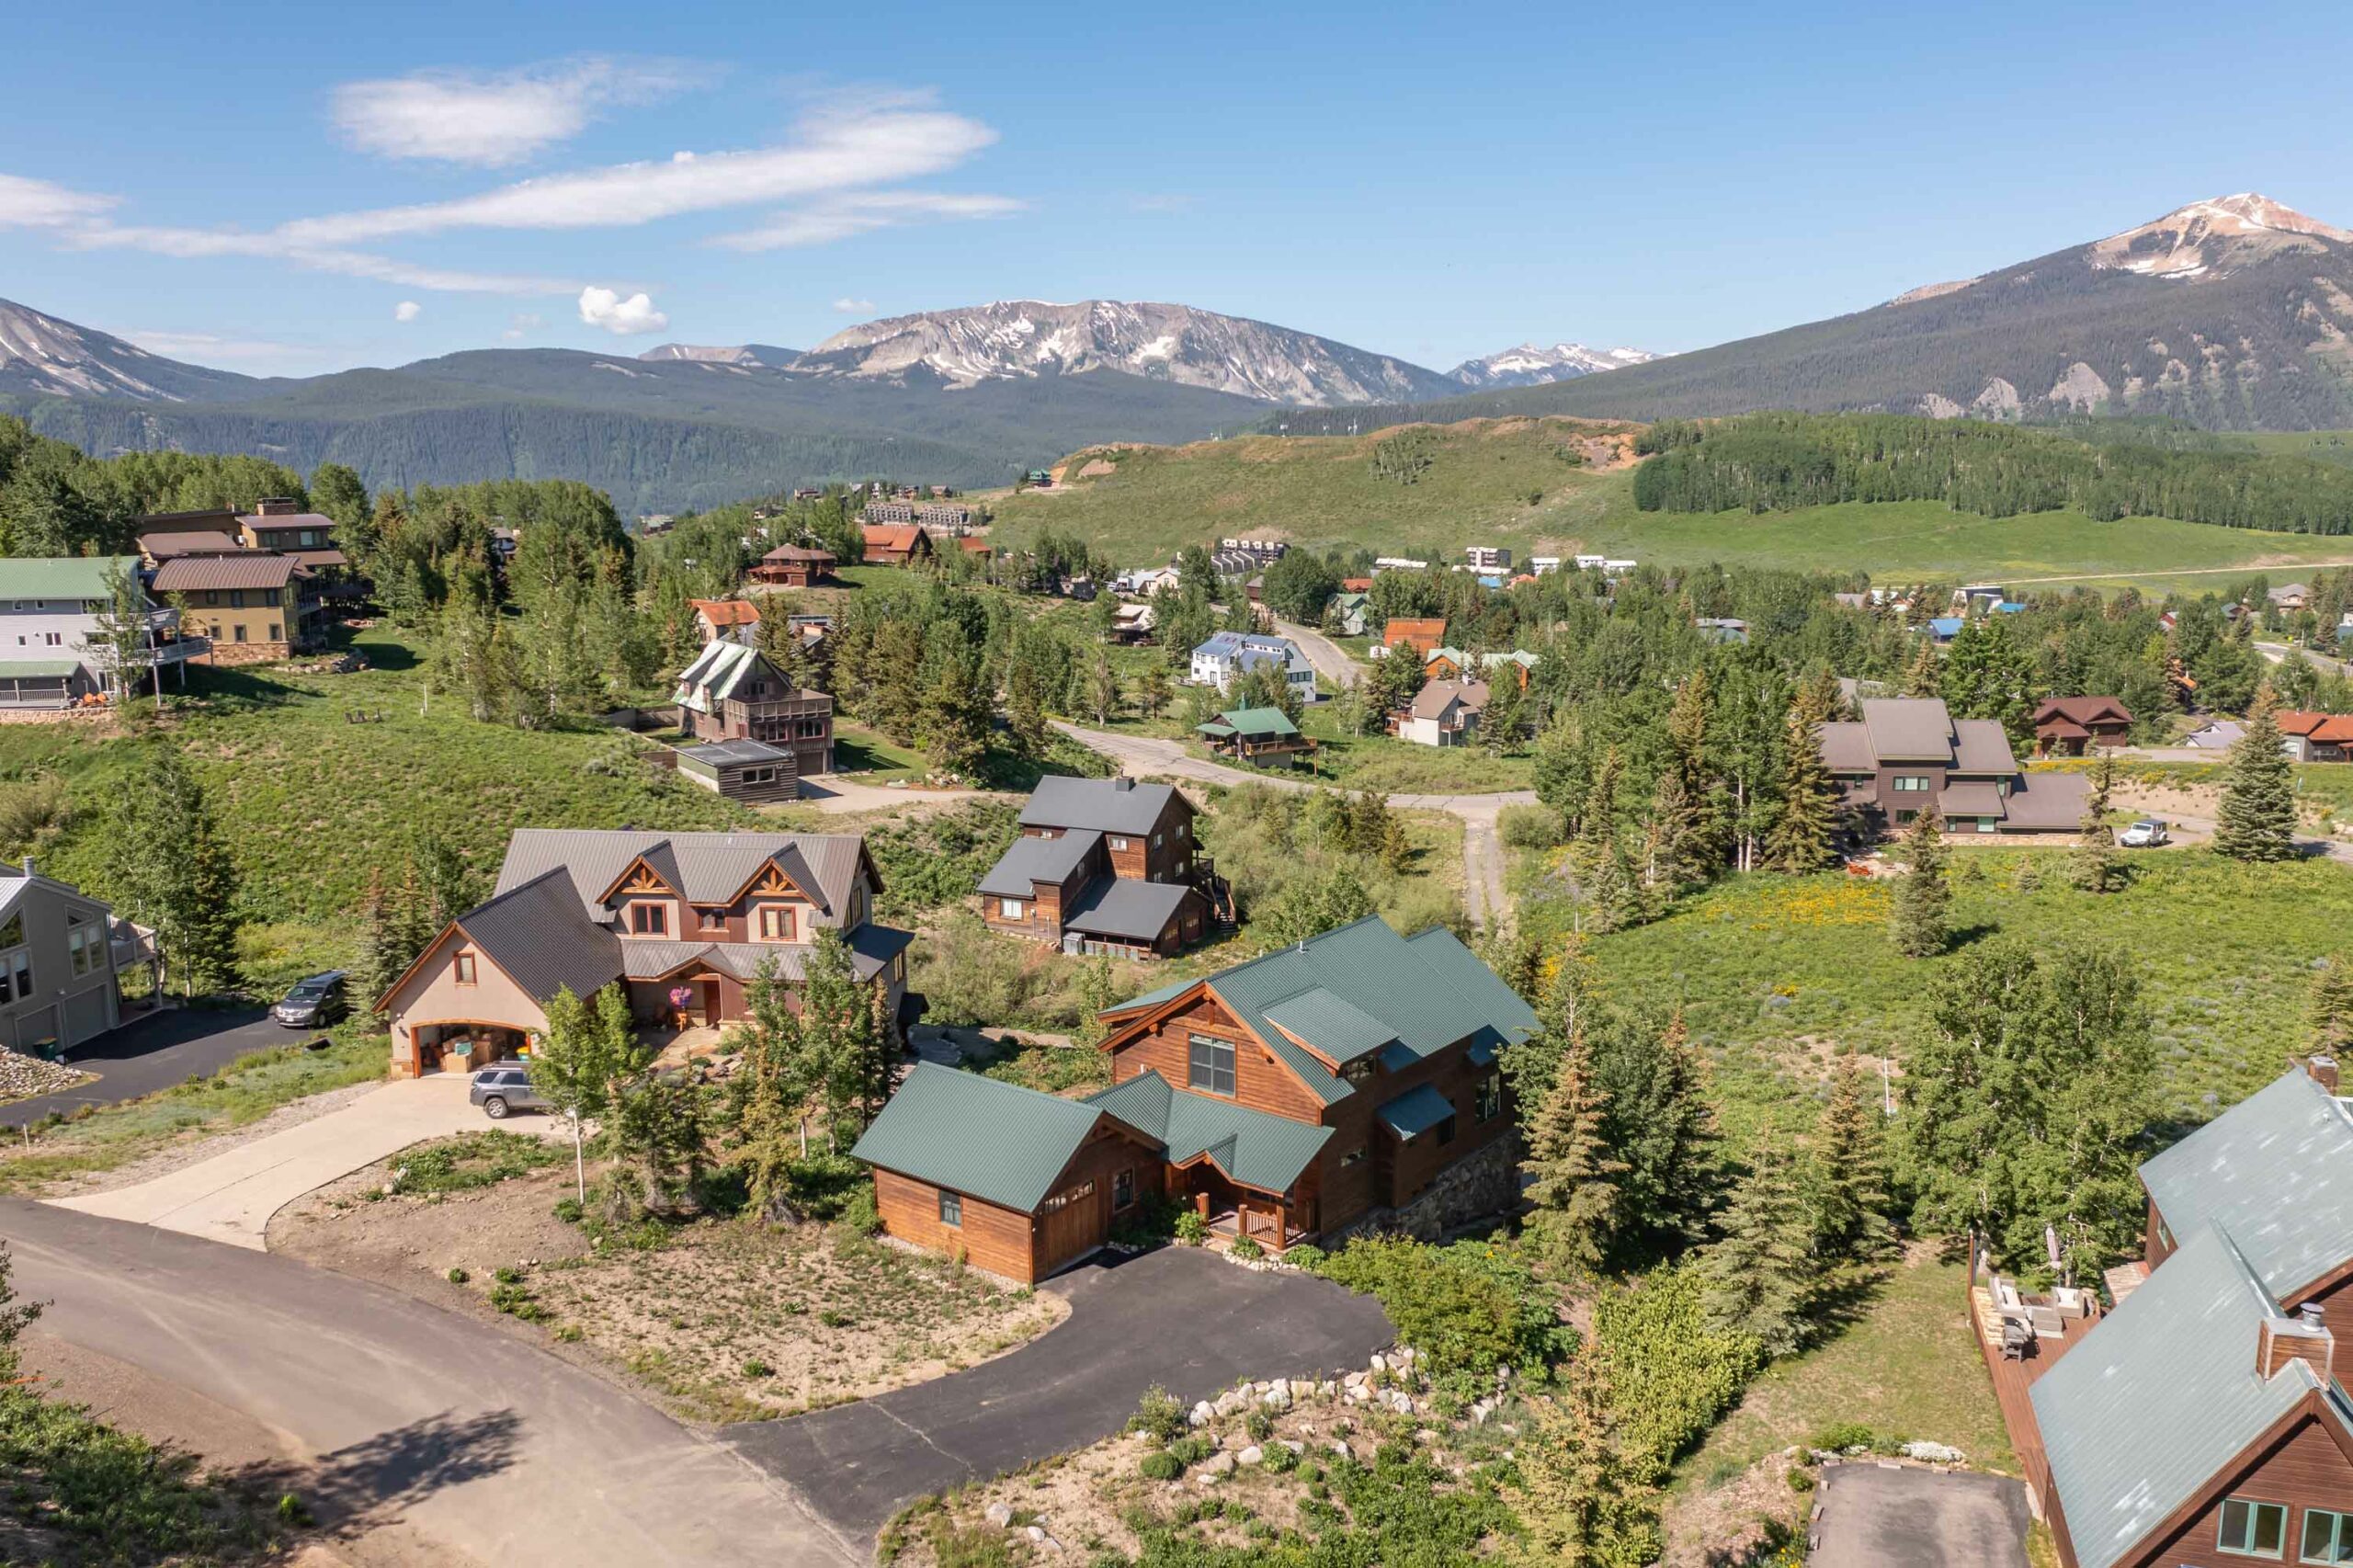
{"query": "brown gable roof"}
pixel 2082 710
pixel 901 538
pixel 162 546
pixel 728 613
pixel 1431 701
pixel 246 569
pixel 1406 629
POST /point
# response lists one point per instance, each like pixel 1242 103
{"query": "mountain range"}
pixel 2230 314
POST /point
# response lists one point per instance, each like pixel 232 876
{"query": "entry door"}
pixel 711 1002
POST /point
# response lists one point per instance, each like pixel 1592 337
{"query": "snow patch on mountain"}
pixel 2211 239
pixel 1531 366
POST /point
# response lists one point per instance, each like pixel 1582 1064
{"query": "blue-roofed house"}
pixel 1943 629
pixel 1229 656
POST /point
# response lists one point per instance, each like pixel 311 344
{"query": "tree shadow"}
pixel 372 1482
pixel 1844 1299
pixel 1961 936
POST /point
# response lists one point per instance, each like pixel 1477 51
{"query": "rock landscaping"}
pixel 22 1077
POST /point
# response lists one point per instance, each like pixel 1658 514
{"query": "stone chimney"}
pixel 2323 1070
pixel 278 506
pixel 2304 1337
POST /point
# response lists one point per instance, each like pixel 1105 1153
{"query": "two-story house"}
pixel 1907 755
pixel 1346 1082
pixel 2072 726
pixel 1443 713
pixel 2315 737
pixel 897 544
pixel 683 922
pixel 733 693
pixel 53 651
pixel 1102 865
pixel 58 953
pixel 1228 655
pixel 730 620
pixel 254 605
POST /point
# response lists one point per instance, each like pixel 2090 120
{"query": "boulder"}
pixel 1201 1414
pixel 1378 1363
pixel 999 1514
pixel 1254 1454
pixel 1216 1465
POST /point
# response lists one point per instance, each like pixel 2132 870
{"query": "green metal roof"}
pixel 1416 1111
pixel 1154 997
pixel 998 1142
pixel 2274 1170
pixel 37 669
pixel 1336 1027
pixel 1252 1147
pixel 1258 722
pixel 1220 731
pixel 62 576
pixel 2163 1394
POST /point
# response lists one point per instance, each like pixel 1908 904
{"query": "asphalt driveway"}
pixel 155 1053
pixel 1184 1319
pixel 1897 1517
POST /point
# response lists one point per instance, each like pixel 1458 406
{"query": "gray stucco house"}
pixel 57 962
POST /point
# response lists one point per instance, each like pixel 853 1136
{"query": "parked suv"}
pixel 312 1002
pixel 504 1088
pixel 2146 834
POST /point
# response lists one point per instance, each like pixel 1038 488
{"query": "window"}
pixel 1182 830
pixel 236 598
pixel 2253 1529
pixel 648 920
pixel 776 923
pixel 1209 1064
pixel 1445 1130
pixel 951 1208
pixel 465 969
pixel 83 943
pixel 240 629
pixel 276 635
pixel 2329 1537
pixel 1123 1189
pixel 269 596
pixel 1155 841
pixel 715 920
pixel 1487 1099
pixel 1911 783
pixel 1353 1157
pixel 1118 844
pixel 1010 908
pixel 809 728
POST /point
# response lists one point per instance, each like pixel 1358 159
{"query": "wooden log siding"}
pixel 1260 1082
pixel 2303 1468
pixel 992 1236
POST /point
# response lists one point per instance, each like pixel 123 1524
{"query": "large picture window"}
pixel 648 920
pixel 2253 1529
pixel 1488 1097
pixel 1209 1064
pixel 1911 784
pixel 2329 1537
pixel 776 923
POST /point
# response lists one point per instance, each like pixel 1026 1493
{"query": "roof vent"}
pixel 1122 782
pixel 2313 1315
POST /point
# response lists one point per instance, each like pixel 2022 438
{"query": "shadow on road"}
pixel 157 1031
pixel 372 1483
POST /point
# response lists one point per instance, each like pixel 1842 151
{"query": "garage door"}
pixel 1074 1220
pixel 86 1016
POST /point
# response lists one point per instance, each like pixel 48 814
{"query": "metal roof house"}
pixel 1907 755
pixel 683 922
pixel 1345 1081
pixel 731 692
pixel 1228 655
pixel 1103 866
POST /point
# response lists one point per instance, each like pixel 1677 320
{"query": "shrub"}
pixel 1306 1255
pixel 1280 1459
pixel 1149 1221
pixel 756 1368
pixel 1468 1308
pixel 1800 1479
pixel 1259 1424
pixel 1530 827
pixel 1160 1465
pixel 1190 1228
pixel 1159 1414
pixel 1246 1249
pixel 459 1276
pixel 1672 1372
pixel 1192 1450
pixel 472 1160
pixel 860 1215
pixel 568 1211
pixel 505 1276
pixel 1837 1437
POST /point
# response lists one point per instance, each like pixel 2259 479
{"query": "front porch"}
pixel 1277 1222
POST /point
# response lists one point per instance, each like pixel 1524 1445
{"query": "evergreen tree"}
pixel 2330 1013
pixel 1572 1177
pixel 1613 894
pixel 380 959
pixel 1584 1504
pixel 1672 859
pixel 166 866
pixel 1152 691
pixel 1661 1124
pixel 1925 675
pixel 772 1088
pixel 1759 1278
pixel 1849 1165
pixel 573 1068
pixel 120 632
pixel 2094 867
pixel 1987 675
pixel 849 1045
pixel 2258 820
pixel 1597 822
pixel 1804 837
pixel 1917 913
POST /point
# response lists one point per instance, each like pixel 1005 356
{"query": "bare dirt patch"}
pixel 1715 1525
pixel 1096 468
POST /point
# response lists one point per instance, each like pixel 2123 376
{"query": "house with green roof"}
pixel 1331 1086
pixel 54 653
pixel 1253 734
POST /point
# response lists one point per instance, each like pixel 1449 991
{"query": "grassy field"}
pixel 1777 973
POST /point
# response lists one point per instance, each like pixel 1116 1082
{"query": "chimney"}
pixel 1123 783
pixel 2304 1337
pixel 28 865
pixel 276 506
pixel 2323 1071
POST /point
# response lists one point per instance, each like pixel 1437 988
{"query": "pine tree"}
pixel 573 1071
pixel 1572 1177
pixel 1584 1504
pixel 1917 915
pixel 1850 1189
pixel 2330 1013
pixel 2094 867
pixel 1758 1278
pixel 1152 691
pixel 1597 824
pixel 771 1091
pixel 380 962
pixel 1670 840
pixel 2258 820
pixel 1613 894
pixel 1662 1123
pixel 1804 837
pixel 166 866
pixel 1925 675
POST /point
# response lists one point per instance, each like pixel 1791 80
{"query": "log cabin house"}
pixel 1347 1080
pixel 794 566
pixel 903 544
pixel 1103 866
pixel 2072 726
pixel 1256 735
pixel 682 921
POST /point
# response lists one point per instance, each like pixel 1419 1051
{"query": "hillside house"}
pixel 730 620
pixel 58 953
pixel 1352 610
pixel 751 771
pixel 2072 726
pixel 1722 629
pixel 2316 737
pixel 683 921
pixel 1255 735
pixel 1133 625
pixel 51 653
pixel 1907 755
pixel 1450 664
pixel 2215 734
pixel 1443 713
pixel 254 606
pixel 1341 1083
pixel 898 545
pixel 1424 637
pixel 1102 865
pixel 733 693
pixel 1228 655
pixel 1487 558
pixel 794 566
pixel 2289 597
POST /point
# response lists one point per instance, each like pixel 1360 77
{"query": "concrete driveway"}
pixel 1897 1517
pixel 1182 1318
pixel 231 1196
pixel 155 1053
pixel 1331 660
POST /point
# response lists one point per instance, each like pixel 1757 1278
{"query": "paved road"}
pixel 1331 660
pixel 231 1196
pixel 2200 829
pixel 2277 652
pixel 155 1053
pixel 1184 1319
pixel 1482 858
pixel 475 1439
pixel 1902 1518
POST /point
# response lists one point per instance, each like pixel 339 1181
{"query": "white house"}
pixel 51 654
pixel 1444 713
pixel 1230 654
pixel 1487 558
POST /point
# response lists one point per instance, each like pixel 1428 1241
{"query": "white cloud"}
pixel 188 243
pixel 859 212
pixel 488 120
pixel 826 157
pixel 622 318
pixel 407 310
pixel 522 322
pixel 851 307
pixel 41 204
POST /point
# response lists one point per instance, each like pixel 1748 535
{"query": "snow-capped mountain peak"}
pixel 2208 239
pixel 1530 365
pixel 56 358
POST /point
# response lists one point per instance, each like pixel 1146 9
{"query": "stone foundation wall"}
pixel 1479 1184
pixel 226 654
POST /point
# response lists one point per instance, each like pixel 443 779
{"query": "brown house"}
pixel 732 693
pixel 1344 1083
pixel 900 544
pixel 1907 755
pixel 1102 865
pixel 2069 726
pixel 682 921
pixel 1424 637
pixel 794 566
pixel 255 604
pixel 2201 1422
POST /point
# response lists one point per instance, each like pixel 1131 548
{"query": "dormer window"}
pixel 649 919
pixel 775 923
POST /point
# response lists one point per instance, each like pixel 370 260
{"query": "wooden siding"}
pixel 2303 1468
pixel 1260 1082
pixel 1083 1223
pixel 994 1237
pixel 1393 1173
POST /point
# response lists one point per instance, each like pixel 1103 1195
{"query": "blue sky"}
pixel 295 189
